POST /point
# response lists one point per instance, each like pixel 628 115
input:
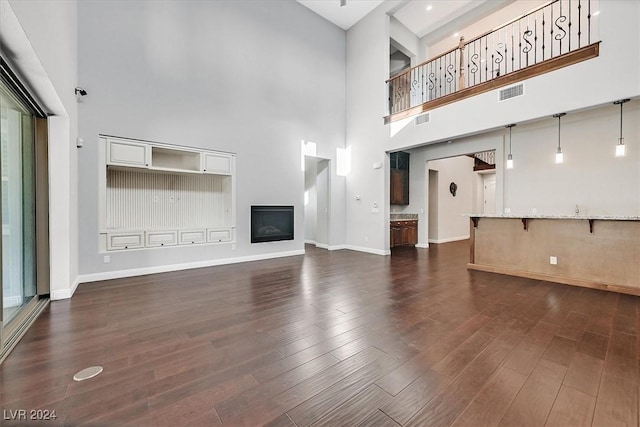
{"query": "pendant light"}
pixel 559 155
pixel 510 156
pixel 621 148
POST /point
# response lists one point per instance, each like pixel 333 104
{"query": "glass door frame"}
pixel 12 331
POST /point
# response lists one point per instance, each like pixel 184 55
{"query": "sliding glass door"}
pixel 18 213
pixel 22 148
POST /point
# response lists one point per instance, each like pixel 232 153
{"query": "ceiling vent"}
pixel 512 92
pixel 422 119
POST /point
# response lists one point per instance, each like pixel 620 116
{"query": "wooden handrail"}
pixel 473 40
pixel 509 48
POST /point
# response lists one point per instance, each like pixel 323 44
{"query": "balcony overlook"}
pixel 555 35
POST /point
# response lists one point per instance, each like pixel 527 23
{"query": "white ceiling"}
pixel 415 16
pixel 343 16
pixel 442 16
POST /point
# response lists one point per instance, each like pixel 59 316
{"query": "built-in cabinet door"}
pixel 127 153
pixel 161 238
pixel 217 164
pixel 219 235
pixel 191 237
pixel 125 240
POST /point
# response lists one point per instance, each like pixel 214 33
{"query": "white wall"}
pixel 252 78
pixel 590 177
pixel 40 39
pixel 367 71
pixel 584 85
pixel 477 123
pixel 452 224
pixel 404 38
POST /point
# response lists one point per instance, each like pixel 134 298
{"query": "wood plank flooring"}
pixel 332 339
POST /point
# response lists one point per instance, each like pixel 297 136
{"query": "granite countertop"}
pixel 541 216
pixel 403 217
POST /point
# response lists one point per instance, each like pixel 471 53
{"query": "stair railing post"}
pixel 461 83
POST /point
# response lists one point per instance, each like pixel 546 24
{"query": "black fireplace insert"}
pixel 271 223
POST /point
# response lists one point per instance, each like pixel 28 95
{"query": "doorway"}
pixel 433 206
pixel 316 201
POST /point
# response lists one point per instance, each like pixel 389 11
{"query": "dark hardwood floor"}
pixel 332 338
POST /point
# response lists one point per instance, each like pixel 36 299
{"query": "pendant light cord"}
pixel 509 139
pixel 559 131
pixel 621 120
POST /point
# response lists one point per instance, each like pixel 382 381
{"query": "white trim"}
pixel 310 242
pixel 337 247
pixel 65 293
pixel 422 245
pixel 450 239
pixel 329 247
pixel 368 250
pixel 107 275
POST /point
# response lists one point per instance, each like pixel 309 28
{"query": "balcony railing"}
pixel 558 29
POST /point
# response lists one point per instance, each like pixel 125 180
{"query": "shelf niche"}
pixel 170 200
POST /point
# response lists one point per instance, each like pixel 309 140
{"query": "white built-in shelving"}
pixel 156 195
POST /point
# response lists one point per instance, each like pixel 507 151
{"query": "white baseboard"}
pixel 337 247
pixel 422 245
pixel 368 250
pixel 450 239
pixel 310 242
pixel 65 293
pixel 107 275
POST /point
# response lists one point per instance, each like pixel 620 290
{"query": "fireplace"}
pixel 271 223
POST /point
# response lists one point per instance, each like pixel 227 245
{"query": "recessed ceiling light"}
pixel 429 7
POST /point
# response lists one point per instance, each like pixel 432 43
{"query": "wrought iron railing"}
pixel 489 157
pixel 549 31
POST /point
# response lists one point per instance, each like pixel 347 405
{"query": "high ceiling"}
pixel 432 18
pixel 424 16
pixel 343 16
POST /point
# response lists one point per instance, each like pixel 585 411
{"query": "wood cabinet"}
pixel 399 179
pixel 404 232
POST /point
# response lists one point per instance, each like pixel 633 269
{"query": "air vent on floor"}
pixel 512 92
pixel 424 118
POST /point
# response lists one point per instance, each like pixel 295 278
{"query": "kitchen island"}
pixel 601 252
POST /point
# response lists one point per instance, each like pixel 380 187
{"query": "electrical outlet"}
pixel 534 210
pixel 106 259
pixel 553 260
pixel 366 238
pixel 233 247
pixel 507 210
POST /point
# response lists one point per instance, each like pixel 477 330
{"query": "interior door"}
pixel 490 194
